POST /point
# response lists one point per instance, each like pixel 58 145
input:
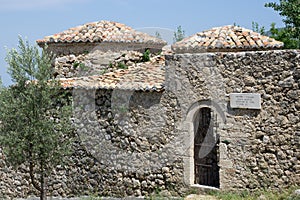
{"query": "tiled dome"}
pixel 102 31
pixel 225 38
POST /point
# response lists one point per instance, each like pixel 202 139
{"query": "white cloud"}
pixel 18 5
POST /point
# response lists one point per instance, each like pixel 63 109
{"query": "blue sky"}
pixel 35 19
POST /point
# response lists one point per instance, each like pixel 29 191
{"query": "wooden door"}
pixel 206 149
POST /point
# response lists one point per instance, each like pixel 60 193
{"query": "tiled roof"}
pixel 225 38
pixel 143 77
pixel 102 31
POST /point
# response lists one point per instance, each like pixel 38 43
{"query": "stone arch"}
pixel 190 128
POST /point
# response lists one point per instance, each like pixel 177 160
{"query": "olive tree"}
pixel 35 128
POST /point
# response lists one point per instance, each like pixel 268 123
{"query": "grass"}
pixel 264 194
pixel 122 66
pixel 103 71
pixel 222 195
pixel 92 197
pixel 81 65
pixel 146 56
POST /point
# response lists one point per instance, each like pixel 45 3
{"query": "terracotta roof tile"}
pixel 225 38
pixel 145 77
pixel 102 31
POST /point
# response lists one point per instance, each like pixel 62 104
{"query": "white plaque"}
pixel 245 100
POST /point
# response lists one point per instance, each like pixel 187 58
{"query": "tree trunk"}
pixel 42 192
pixel 42 182
pixel 31 173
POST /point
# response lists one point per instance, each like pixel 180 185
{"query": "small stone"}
pixel 293 94
pixel 165 170
pixel 266 139
pixel 262 197
pixel 144 184
pixel 160 176
pixel 138 193
pixel 297 192
pixel 165 193
pixel 62 59
pixel 287 83
pixel 136 183
pixel 159 182
pixel 93 182
pixel 249 81
pixel 296 73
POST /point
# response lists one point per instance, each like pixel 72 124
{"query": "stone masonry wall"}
pixel 123 148
pixel 268 150
pixel 84 48
pixel 258 148
pixel 94 63
pixel 134 143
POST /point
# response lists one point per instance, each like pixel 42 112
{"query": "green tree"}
pixel 290 10
pixel 285 36
pixel 157 35
pixel 179 34
pixel 35 128
pixel 259 29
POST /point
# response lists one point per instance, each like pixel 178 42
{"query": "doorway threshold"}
pixel 205 187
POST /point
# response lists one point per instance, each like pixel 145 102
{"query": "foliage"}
pixel 235 24
pixel 122 66
pixel 264 194
pixel 157 35
pixel 146 56
pixel 103 71
pixel 35 125
pixel 280 34
pixel 76 64
pixel 157 194
pixel 179 34
pixel 81 65
pixel 259 29
pixel 285 36
pixel 290 10
pixel 91 197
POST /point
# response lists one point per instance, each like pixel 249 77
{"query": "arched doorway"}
pixel 206 145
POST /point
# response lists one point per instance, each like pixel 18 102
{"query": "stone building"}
pixel 220 110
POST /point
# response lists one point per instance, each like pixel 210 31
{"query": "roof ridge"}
pixel 101 31
pixel 226 38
